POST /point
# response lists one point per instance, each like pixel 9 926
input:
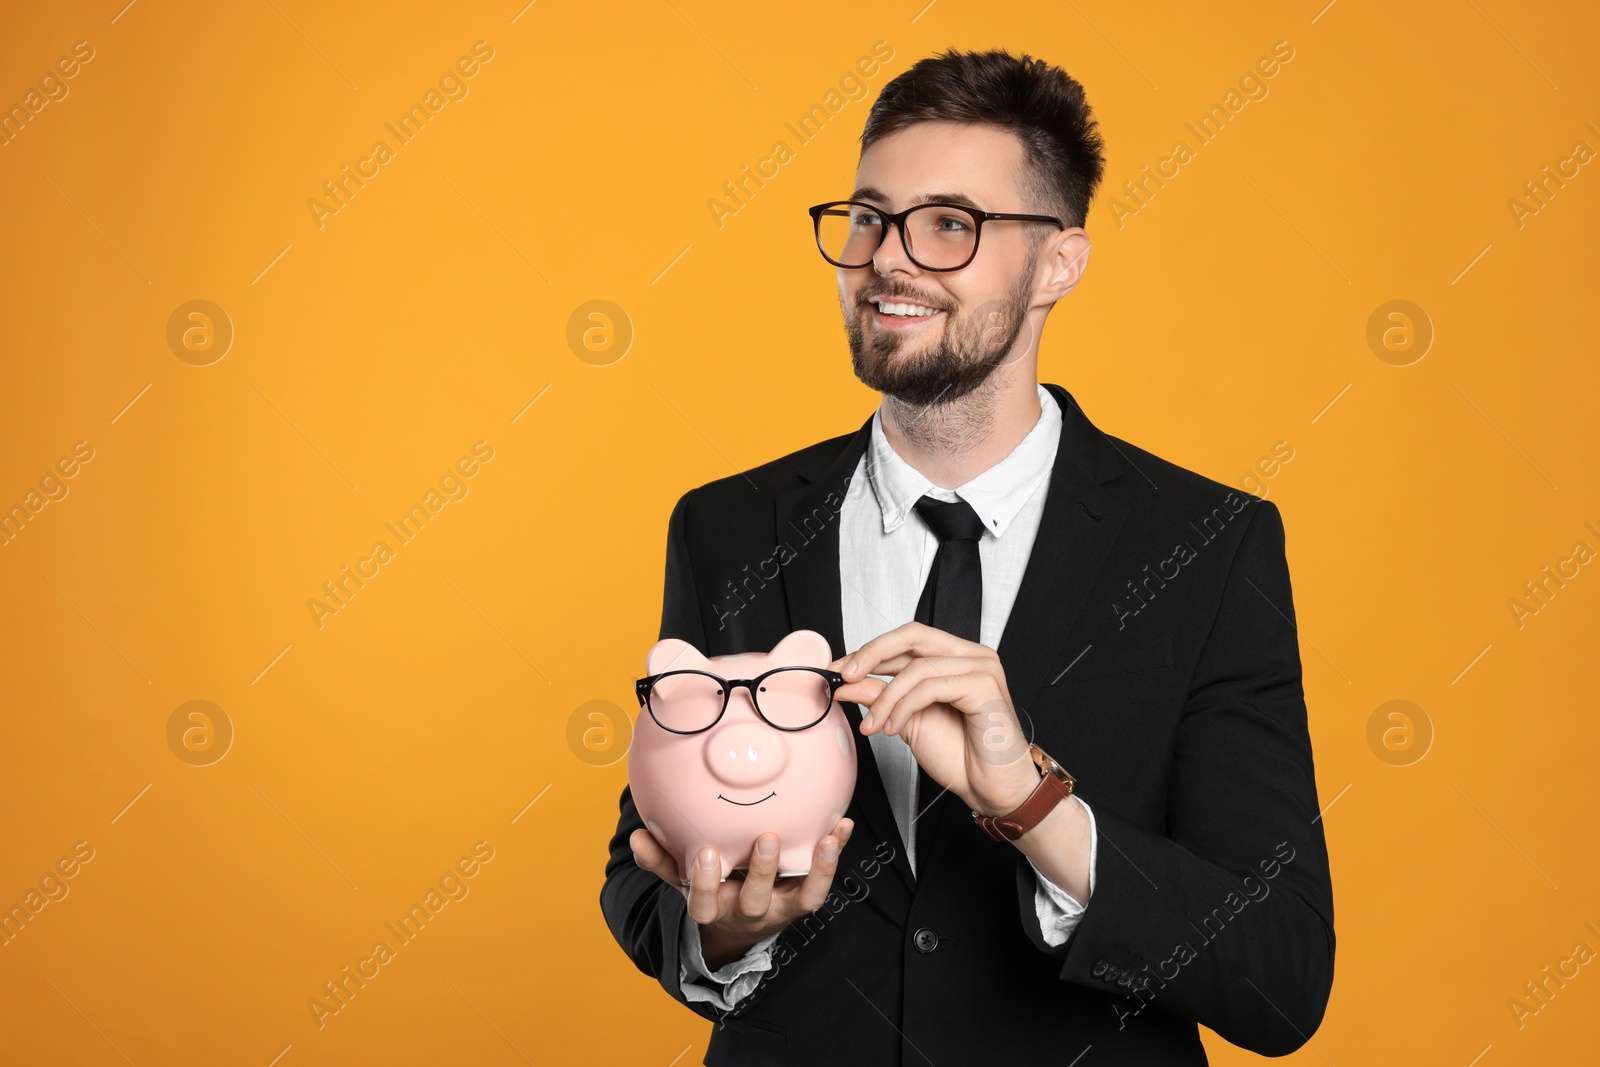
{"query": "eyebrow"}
pixel 870 193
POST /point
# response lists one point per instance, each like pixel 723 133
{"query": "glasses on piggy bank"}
pixel 692 701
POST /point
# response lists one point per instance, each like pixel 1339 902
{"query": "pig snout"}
pixel 746 754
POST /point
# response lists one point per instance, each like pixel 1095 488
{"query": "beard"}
pixel 972 347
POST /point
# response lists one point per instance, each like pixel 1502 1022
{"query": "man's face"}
pixel 981 309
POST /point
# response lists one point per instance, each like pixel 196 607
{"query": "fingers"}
pixel 650 856
pixel 952 690
pixel 895 664
pixel 755 897
pixel 912 637
pixel 948 667
pixel 813 890
pixel 704 878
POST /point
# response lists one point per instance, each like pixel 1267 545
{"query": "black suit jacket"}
pixel 1152 650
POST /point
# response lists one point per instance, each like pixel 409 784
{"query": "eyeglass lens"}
pixel 939 237
pixel 788 699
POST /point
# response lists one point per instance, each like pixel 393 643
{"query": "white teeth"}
pixel 911 310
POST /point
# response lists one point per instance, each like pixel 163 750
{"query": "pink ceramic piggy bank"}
pixel 706 768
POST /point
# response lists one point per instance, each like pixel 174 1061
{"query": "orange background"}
pixel 1227 314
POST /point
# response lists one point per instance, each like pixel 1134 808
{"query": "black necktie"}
pixel 952 601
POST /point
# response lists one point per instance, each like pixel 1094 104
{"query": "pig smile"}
pixel 752 803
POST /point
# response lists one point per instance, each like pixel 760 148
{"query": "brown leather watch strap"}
pixel 1054 786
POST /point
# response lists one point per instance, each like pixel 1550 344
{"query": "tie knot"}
pixel 950 520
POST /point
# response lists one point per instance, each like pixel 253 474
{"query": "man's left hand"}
pixel 948 700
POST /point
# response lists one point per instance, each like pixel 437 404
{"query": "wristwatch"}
pixel 1055 785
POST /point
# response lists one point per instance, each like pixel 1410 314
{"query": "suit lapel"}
pixel 808 520
pixel 1079 526
pixel 1081 523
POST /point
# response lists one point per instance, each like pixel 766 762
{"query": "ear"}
pixel 1066 263
pixel 803 648
pixel 672 655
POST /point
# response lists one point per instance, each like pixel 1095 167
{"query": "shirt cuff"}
pixel 1059 911
pixel 729 984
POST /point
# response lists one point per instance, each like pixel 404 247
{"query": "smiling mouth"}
pixel 752 803
pixel 917 314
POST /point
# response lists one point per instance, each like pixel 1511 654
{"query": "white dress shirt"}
pixel 885 555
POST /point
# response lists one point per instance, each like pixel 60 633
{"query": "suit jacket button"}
pixel 925 940
pixel 1100 967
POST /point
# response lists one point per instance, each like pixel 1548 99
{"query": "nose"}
pixel 746 754
pixel 891 253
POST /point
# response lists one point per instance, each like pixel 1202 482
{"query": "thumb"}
pixel 863 692
pixel 650 856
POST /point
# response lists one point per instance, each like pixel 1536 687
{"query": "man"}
pixel 1010 592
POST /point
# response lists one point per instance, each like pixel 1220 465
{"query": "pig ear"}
pixel 803 648
pixel 673 655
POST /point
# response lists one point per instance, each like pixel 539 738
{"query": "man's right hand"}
pixel 736 914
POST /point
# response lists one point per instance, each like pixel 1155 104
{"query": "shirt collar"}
pixel 996 494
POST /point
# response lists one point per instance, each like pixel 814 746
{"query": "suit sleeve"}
pixel 1227 919
pixel 645 914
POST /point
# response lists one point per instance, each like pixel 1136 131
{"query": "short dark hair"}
pixel 1042 104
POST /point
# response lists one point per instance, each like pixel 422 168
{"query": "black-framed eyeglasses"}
pixel 938 236
pixel 787 698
